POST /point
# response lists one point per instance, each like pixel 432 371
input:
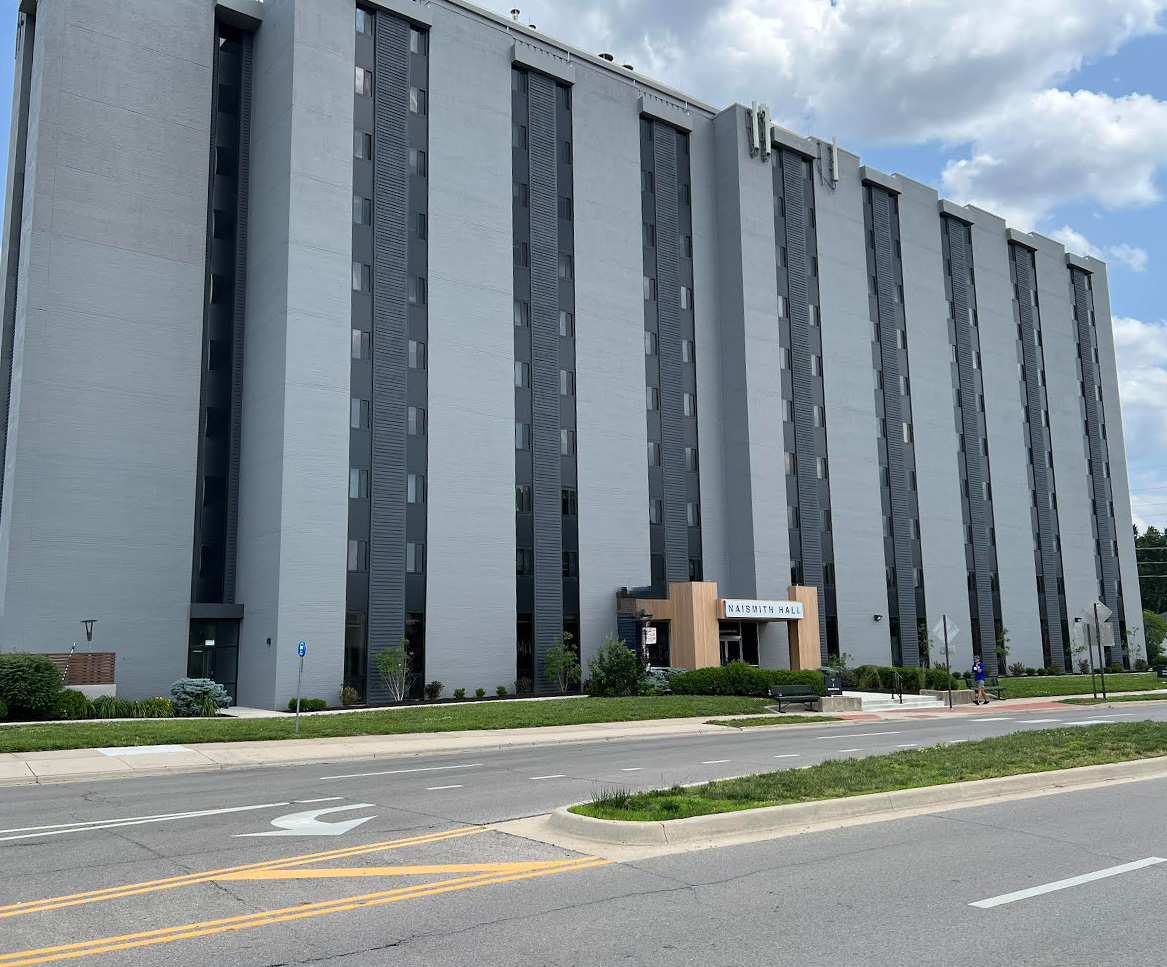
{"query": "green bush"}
pixel 433 690
pixel 153 708
pixel 307 704
pixel 524 686
pixel 738 678
pixel 660 679
pixel 349 696
pixel 1030 671
pixel 72 704
pixel 480 693
pixel 1113 669
pixel 198 696
pixel 459 693
pixel 29 684
pixel 615 670
pixel 500 691
pixel 3 709
pixel 1141 665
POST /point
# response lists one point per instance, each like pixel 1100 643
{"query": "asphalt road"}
pixel 168 870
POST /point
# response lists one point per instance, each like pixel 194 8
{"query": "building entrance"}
pixel 213 652
pixel 738 641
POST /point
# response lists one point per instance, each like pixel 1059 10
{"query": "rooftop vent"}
pixel 628 67
pixel 608 57
pixel 515 11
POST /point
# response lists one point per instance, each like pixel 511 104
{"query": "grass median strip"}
pixel 1009 755
pixel 1045 686
pixel 761 721
pixel 1151 697
pixel 41 737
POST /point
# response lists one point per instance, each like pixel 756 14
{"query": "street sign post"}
pixel 948 631
pixel 1101 613
pixel 649 635
pixel 301 650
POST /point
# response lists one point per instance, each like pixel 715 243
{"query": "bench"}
pixel 794 695
pixel 992 687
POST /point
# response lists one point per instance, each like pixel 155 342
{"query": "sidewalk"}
pixel 995 707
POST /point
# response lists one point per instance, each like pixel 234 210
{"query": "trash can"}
pixel 834 681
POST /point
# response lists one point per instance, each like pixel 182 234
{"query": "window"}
pixel 683 195
pixel 565 152
pixel 522 254
pixel 901 339
pixel 788 409
pixel 695 569
pixel 418 41
pixel 524 561
pixel 415 488
pixel 649 235
pixel 362 277
pixel 518 135
pixel 522 436
pixel 420 225
pixel 649 289
pixel 905 386
pixel 358 556
pixel 522 375
pixel 783 307
pixel 693 513
pixel 416 421
pixel 570 564
pixel 825 521
pixel 819 415
pixel 650 343
pixel 828 574
pixel 417 100
pixel 791 461
pixel 363 145
pixel 363 82
pixel 690 404
pixel 792 516
pixel 417 290
pixel 912 480
pixel 567 442
pixel 522 498
pixel 417 162
pixel 364 22
pixel 359 413
pixel 688 351
pixel 820 468
pixel 646 129
pixel 783 358
pixel 566 382
pixel 520 193
pixel 652 397
pixel 566 324
pixel 362 344
pixel 686 246
pixel 899 295
pixel 362 210
pixel 907 433
pixel 414 558
pixel 569 503
pixel 646 182
pixel 566 209
pixel 522 313
pixel 416 355
pixel 564 96
pixel 686 297
pixel 782 256
pixel 358 483
pixel 519 81
pixel 816 365
pixel 813 313
pixel 653 454
pixel 691 459
pixel 986 490
pixel 566 266
pixel 976 359
pixel 656 510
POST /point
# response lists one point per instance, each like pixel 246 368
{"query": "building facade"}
pixel 320 314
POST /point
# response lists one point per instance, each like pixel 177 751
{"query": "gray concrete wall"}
pixel 1124 529
pixel 470 593
pixel 849 387
pixel 1067 433
pixel 610 411
pixel 933 416
pixel 1005 425
pixel 100 482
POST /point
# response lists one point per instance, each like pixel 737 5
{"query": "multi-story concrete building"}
pixel 320 314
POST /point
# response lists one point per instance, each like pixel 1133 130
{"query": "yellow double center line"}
pixel 173 882
pixel 44 955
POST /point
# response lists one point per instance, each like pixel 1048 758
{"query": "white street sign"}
pixel 306 823
pixel 938 631
pixel 650 636
pixel 1103 611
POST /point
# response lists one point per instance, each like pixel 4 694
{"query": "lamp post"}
pixel 88 624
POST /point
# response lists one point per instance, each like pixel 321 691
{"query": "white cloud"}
pixel 1141 348
pixel 1131 256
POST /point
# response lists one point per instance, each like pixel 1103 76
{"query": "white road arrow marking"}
pixel 307 824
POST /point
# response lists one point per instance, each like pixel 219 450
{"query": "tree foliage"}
pixel 561 663
pixel 1155 630
pixel 1151 550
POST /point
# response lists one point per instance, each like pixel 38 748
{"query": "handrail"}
pixel 897 685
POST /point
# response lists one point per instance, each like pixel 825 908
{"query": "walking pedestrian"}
pixel 978 669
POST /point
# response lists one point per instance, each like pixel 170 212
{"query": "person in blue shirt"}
pixel 978 670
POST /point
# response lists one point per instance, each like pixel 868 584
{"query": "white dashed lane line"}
pixel 788 755
pixel 850 750
pixel 436 788
pixel 632 769
pixel 853 735
pixel 715 762
pixel 558 775
pixel 906 745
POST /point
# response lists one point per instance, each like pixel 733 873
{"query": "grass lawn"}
pixel 440 718
pixel 1116 698
pixel 1038 687
pixel 1007 755
pixel 764 720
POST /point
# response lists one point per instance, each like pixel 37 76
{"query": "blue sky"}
pixel 1052 113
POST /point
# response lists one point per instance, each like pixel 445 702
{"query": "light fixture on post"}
pixel 88 624
pixel 877 617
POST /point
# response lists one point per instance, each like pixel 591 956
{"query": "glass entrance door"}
pixel 213 652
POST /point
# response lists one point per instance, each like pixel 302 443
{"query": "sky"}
pixel 1052 113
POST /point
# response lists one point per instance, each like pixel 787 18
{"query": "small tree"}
pixel 1155 630
pixel 561 663
pixel 925 642
pixel 1002 648
pixel 393 668
pixel 840 661
pixel 615 670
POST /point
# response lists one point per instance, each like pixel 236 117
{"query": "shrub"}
pixel 958 684
pixel 1113 669
pixel 1017 668
pixel 738 678
pixel 307 704
pixel 393 668
pixel 29 684
pixel 434 689
pixel 1030 671
pixel 349 696
pixel 480 693
pixel 1141 665
pixel 153 708
pixel 524 686
pixel 1083 667
pixel 867 678
pixel 1052 670
pixel 459 693
pixel 561 663
pixel 108 707
pixel 850 679
pixel 199 696
pixel 72 704
pixel 500 691
pixel 3 709
pixel 615 670
pixel 660 679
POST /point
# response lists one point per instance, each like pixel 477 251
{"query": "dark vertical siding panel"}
pixel 901 514
pixel 960 254
pixel 545 423
pixel 390 275
pixel 669 341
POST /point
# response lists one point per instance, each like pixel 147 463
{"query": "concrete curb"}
pixel 778 821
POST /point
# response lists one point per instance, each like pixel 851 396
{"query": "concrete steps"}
pixel 881 702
